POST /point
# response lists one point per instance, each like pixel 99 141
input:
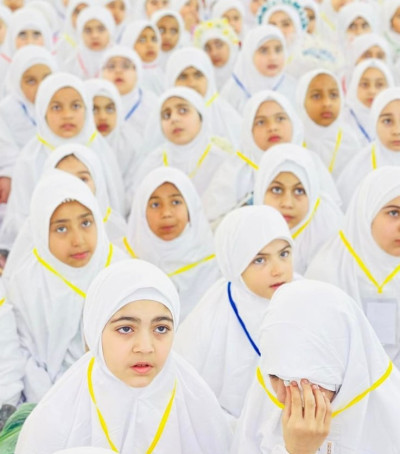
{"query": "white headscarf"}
pixel 212 338
pixel 323 217
pixel 314 330
pixel 49 315
pixel 193 244
pixel 324 140
pixel 361 44
pixel 220 7
pixel 359 114
pixel 85 450
pixel 131 415
pixel 49 12
pixel 350 12
pixel 389 7
pixel 246 80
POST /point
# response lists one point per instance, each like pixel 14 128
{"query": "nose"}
pixel 286 200
pixel 166 211
pixel 76 237
pixel 272 125
pixel 143 342
pixel 276 267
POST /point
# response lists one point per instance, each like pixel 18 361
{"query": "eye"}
pixel 96 109
pixel 162 30
pixel 154 204
pixel 285 253
pixel 276 190
pixel 182 77
pixel 87 223
pixel 315 96
pixel 198 75
pixel 394 213
pixel 334 95
pixel 176 202
pixel 387 121
pixel 259 261
pixel 165 115
pixel 30 81
pixel 363 85
pixel 37 34
pixel 299 191
pixel 183 110
pixel 55 107
pixel 77 106
pixel 22 35
pixel 280 118
pixel 110 109
pixel 61 229
pixel 125 330
pixel 162 329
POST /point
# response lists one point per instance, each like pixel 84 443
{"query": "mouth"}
pixel 119 80
pixel 103 127
pixel 274 139
pixel 68 127
pixel 176 131
pixel 326 114
pixel 277 285
pixel 142 368
pixel 272 67
pixel 80 255
pixel 167 228
pixel 288 217
pixel 395 143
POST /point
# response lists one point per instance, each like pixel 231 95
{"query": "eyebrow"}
pixel 81 216
pixel 386 115
pixel 397 207
pixel 263 254
pixel 161 318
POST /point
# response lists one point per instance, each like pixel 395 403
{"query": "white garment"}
pixel 375 152
pixel 321 221
pixel 314 330
pixel 212 338
pixel 119 28
pixel 85 450
pixel 84 62
pixel 49 12
pixel 195 423
pixel 49 315
pixel 357 114
pixel 221 7
pixel 29 165
pixel 194 244
pixel 246 80
pixel 389 7
pixel 5 16
pixel 335 144
pixel 335 264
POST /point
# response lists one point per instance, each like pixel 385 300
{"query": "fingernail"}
pixel 305 381
pixel 314 386
pixel 293 383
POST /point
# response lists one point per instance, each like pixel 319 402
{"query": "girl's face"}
pixel 136 342
pixel 3 31
pixel 105 115
pixel 13 4
pixel 385 227
pixel 152 6
pixel 286 193
pixel 269 269
pixel 218 51
pixel 193 78
pixel 388 126
pixel 281 20
pixel 117 9
pixel 359 26
pixel 255 5
pixel 372 82
pixel 169 30
pixel 72 234
pixel 269 58
pixel 75 14
pixel 26 37
pixel 122 73
pixel 373 52
pixel 74 166
pixel 322 101
pixel 190 14
pixel 395 22
pixel 31 79
pixel 234 19
pixel 66 113
pixel 311 20
pixel 95 35
pixel 271 125
pixel 166 212
pixel 147 45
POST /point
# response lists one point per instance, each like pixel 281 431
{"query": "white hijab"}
pixel 358 113
pixel 193 244
pixel 361 44
pixel 49 315
pixel 220 7
pixel 335 264
pixel 325 140
pixel 389 7
pixel 316 331
pixel 323 217
pixel 212 338
pixel 195 423
pixel 350 12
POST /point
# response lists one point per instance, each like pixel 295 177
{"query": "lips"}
pixel 274 139
pixel 142 368
pixel 103 127
pixel 119 80
pixel 167 228
pixel 68 127
pixel 177 131
pixel 80 255
pixel 395 143
pixel 327 114
pixel 277 285
pixel 287 217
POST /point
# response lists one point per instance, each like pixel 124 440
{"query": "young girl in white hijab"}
pixel 320 104
pixel 168 227
pixel 220 337
pixel 382 151
pixel 62 116
pixel 391 26
pixel 259 66
pixel 355 19
pixel 28 68
pixel 289 180
pixel 362 258
pixel 369 78
pixel 95 33
pixel 143 37
pixel 120 9
pixel 145 398
pixel 233 11
pixel 315 332
pixel 60 251
pixel 191 67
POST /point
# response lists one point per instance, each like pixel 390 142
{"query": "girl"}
pixel 29 67
pixel 59 251
pixel 260 66
pixel 355 19
pixel 191 13
pixel 83 162
pixel 220 337
pixel 144 9
pixel 361 258
pixel 168 227
pixel 233 12
pixel 319 335
pixel 391 26
pixel 289 181
pixel 320 103
pixel 144 395
pixel 120 10
pixel 369 78
pixel 95 29
pixel 221 43
pixel 62 117
pixel 143 37
pixel 382 151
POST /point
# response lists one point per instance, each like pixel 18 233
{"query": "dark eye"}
pixel 162 329
pixel 276 190
pixel 125 330
pixel 299 191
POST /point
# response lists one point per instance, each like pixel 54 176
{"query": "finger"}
pixel 287 411
pixel 309 400
pixel 328 410
pixel 297 405
pixel 320 402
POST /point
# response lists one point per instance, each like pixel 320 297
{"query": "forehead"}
pixel 102 100
pixel 37 70
pixel 68 210
pixel 169 21
pixel 279 15
pixel 393 107
pixel 322 81
pixel 270 42
pixel 287 179
pixel 165 190
pixel 66 94
pixel 147 31
pixel 174 102
pixel 190 70
pixel 143 309
pixel 373 73
pixel 273 246
pixel 268 108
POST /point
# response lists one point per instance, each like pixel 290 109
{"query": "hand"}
pixel 5 187
pixel 305 428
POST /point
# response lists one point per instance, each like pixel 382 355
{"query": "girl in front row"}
pixel 220 338
pixel 145 398
pixel 59 251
